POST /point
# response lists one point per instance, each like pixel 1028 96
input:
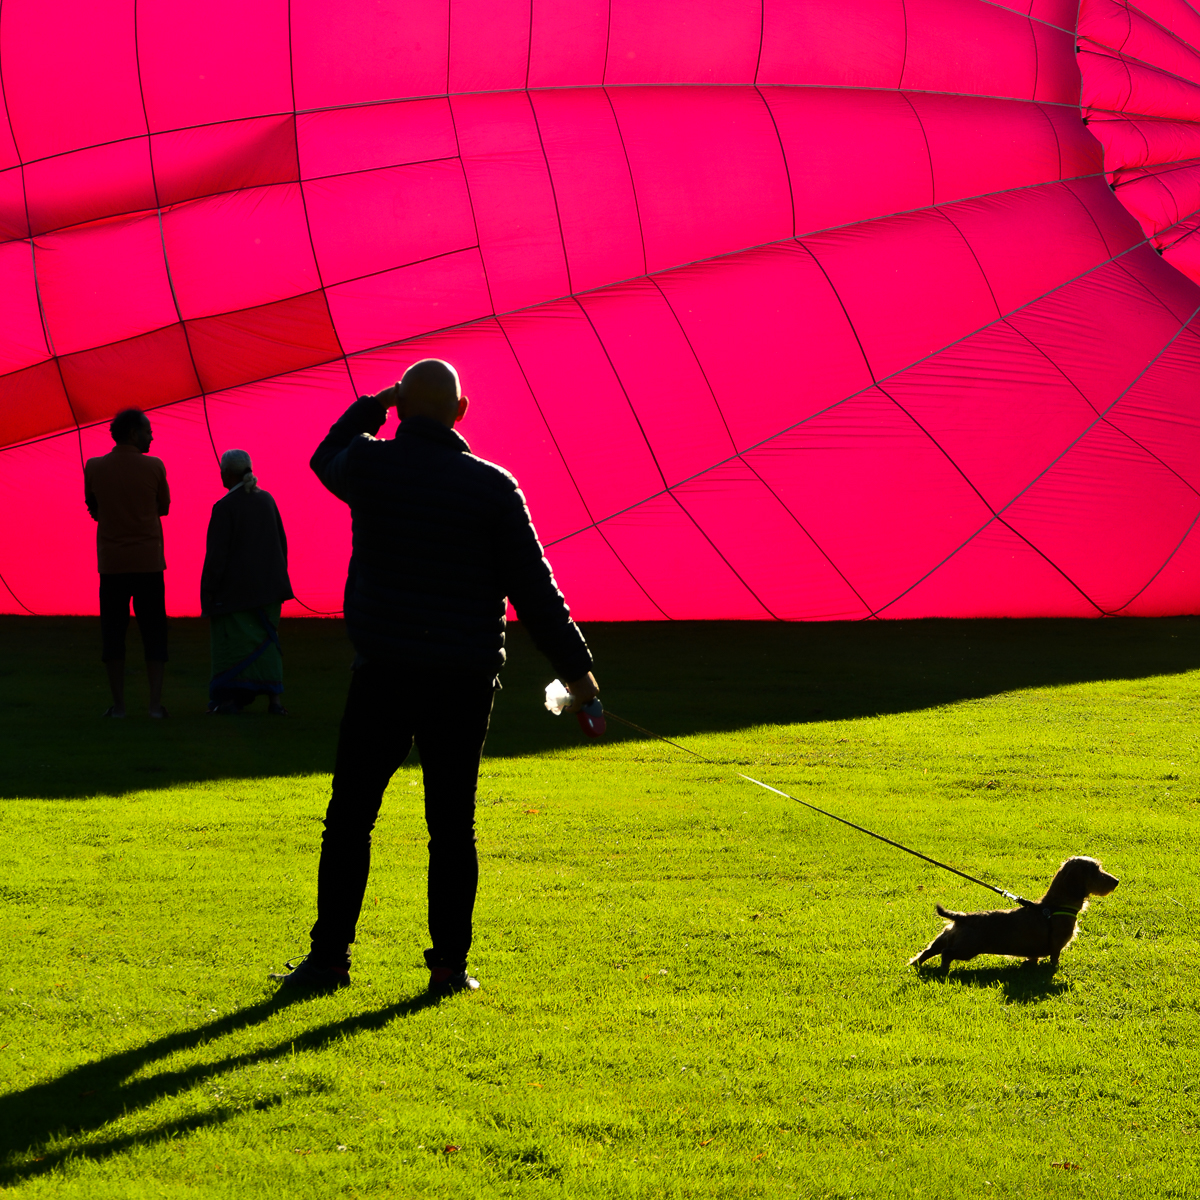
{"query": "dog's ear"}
pixel 1075 871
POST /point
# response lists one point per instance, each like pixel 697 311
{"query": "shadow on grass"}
pixel 677 678
pixel 89 1097
pixel 1019 983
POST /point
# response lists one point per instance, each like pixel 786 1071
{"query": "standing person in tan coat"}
pixel 127 495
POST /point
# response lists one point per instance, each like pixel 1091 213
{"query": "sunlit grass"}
pixel 691 987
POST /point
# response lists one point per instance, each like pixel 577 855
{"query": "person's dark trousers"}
pixel 145 589
pixel 388 707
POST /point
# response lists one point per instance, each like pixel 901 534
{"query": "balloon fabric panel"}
pixel 790 310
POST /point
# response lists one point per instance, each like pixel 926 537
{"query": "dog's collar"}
pixel 1062 912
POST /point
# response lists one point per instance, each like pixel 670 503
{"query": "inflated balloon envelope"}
pixel 807 310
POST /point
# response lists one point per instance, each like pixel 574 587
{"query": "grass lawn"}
pixel 691 987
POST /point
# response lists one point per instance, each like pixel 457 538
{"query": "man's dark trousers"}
pixel 447 713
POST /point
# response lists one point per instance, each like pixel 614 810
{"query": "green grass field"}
pixel 691 987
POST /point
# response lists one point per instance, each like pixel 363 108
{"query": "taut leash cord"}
pixel 608 712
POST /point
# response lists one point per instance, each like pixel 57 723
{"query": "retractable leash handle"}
pixel 590 716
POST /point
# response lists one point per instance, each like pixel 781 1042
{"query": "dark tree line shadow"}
pixel 676 678
pixel 89 1097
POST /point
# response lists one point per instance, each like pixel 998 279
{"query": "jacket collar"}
pixel 435 431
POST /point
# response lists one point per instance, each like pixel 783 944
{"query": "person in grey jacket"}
pixel 440 540
pixel 242 589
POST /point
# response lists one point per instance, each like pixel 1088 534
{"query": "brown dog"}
pixel 1030 933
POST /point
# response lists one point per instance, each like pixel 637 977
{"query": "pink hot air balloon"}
pixel 804 309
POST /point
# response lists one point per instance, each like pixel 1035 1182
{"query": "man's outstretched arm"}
pixel 365 415
pixel 535 595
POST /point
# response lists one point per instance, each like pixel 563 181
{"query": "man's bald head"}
pixel 430 388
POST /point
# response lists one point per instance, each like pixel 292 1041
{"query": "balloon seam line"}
pixel 1103 50
pixel 1029 16
pixel 710 259
pixel 787 170
pixel 992 520
pixel 993 517
pixel 300 181
pixel 528 46
pixel 716 550
pixel 1165 563
pixel 487 283
pixel 44 321
pixel 939 447
pixel 870 612
pixel 1101 416
pixel 933 198
pixel 562 240
pixel 904 51
pixel 1114 115
pixel 733 446
pixel 699 365
pixel 321 109
pixel 313 249
pixel 666 488
pixel 762 33
pixel 845 313
pixel 37 292
pixel 1033 95
pixel 17 598
pixel 1054 134
pixel 607 45
pixel 1155 171
pixel 1153 296
pixel 999 512
pixel 1066 378
pixel 738 457
pixel 233 191
pixel 966 241
pixel 1092 217
pixel 162 237
pixel 637 208
pixel 587 316
pixel 1106 416
pixel 1183 237
pixel 570 474
pixel 713 260
pixel 1130 10
pixel 1166 466
pixel 317 110
pixel 846 399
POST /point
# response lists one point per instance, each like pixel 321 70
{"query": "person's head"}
pixel 430 388
pixel 236 469
pixel 131 427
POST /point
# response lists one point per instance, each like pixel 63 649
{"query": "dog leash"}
pixel 608 712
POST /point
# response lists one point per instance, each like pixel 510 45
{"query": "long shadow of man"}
pixel 88 1097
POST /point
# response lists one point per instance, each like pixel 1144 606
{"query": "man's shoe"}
pixel 445 982
pixel 310 976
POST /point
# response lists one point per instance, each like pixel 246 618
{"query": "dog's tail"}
pixel 945 912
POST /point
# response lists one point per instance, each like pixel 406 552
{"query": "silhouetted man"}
pixel 441 538
pixel 127 495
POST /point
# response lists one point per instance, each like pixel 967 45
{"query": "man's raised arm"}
pixel 364 416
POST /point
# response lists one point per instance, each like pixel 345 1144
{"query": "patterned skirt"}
pixel 246 655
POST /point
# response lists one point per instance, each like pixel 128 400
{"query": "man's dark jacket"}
pixel 440 539
pixel 245 559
